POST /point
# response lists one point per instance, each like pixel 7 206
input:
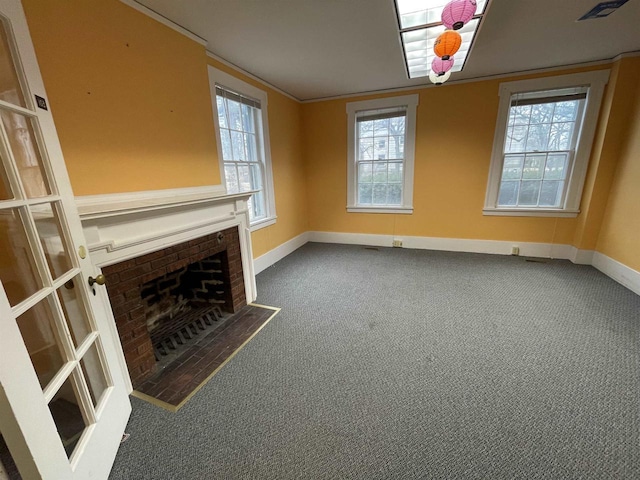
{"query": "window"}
pixel 243 143
pixel 542 145
pixel 381 140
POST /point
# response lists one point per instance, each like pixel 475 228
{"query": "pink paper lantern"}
pixel 458 12
pixel 441 66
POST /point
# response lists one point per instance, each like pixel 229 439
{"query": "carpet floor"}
pixel 412 364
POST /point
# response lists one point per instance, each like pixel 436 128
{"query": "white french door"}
pixel 63 395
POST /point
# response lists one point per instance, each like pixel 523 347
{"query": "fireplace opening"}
pixel 186 304
pixel 164 300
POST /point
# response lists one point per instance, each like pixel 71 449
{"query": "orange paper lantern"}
pixel 447 44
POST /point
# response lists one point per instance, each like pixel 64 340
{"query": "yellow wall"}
pixel 132 107
pixel 620 233
pixel 128 94
pixel 454 139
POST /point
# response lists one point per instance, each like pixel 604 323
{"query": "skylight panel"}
pixel 420 25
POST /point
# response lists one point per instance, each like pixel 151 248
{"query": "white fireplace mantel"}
pixel 122 226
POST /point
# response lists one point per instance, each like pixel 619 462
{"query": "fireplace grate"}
pixel 193 326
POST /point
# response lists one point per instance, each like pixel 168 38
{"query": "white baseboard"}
pixel 272 256
pixel 352 238
pixel 581 257
pixel 619 272
pixel 496 247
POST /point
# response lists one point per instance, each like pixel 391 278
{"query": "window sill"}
pixel 380 209
pixel 262 223
pixel 530 212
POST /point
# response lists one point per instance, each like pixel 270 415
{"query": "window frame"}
pixel 229 82
pixel 410 102
pixel 596 82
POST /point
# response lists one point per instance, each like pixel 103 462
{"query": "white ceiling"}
pixel 314 49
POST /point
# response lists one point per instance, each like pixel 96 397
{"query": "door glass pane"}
pixel 17 269
pixel 67 415
pixel 9 84
pixel 93 370
pixel 25 150
pixel 74 312
pixel 50 233
pixel 5 188
pixel 37 327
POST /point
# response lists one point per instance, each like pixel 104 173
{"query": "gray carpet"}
pixel 402 364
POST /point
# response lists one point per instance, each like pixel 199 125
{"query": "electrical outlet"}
pixel 397 242
pixel 515 250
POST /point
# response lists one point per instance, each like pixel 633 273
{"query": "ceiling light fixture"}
pixel 421 22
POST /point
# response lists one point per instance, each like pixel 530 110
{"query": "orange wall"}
pixel 620 233
pixel 128 94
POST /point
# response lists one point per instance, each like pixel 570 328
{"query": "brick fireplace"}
pixel 128 280
pixel 170 235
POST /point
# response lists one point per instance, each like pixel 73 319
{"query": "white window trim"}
pixel 411 102
pixel 596 81
pixel 224 79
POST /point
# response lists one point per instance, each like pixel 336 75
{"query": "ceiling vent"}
pixel 603 9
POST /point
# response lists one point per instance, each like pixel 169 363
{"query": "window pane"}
pixel 37 327
pixel 52 240
pixel 520 115
pixel 5 188
pixel 237 144
pixel 235 115
pixel 10 85
pixel 365 191
pixel 257 205
pixel 222 112
pixel 26 152
pixel 17 269
pixel 516 139
pixel 395 172
pixel 225 139
pixel 244 178
pixel 365 129
pixel 94 374
pixel 248 122
pixel 397 125
pixel 396 147
pixel 508 193
pixel 565 111
pixel 380 172
pixel 379 194
pixel 365 173
pixel 256 177
pixel 231 177
pixel 529 193
pixel 542 113
pixel 560 136
pixel 381 127
pixel 538 137
pixel 250 142
pixel 551 192
pixel 365 149
pixel 73 310
pixel 67 415
pixel 533 166
pixel 395 194
pixel 380 148
pixel 556 166
pixel 512 168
